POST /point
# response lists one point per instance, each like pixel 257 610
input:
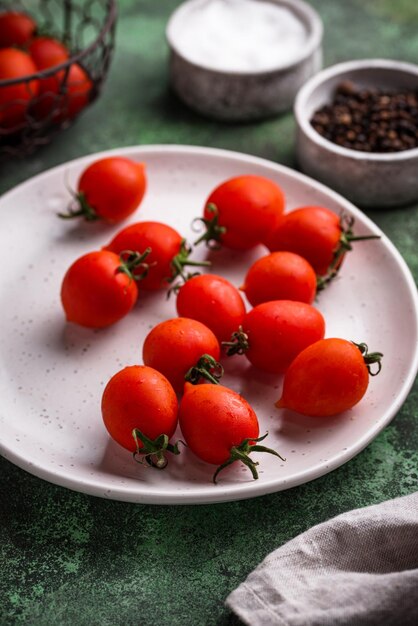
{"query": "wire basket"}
pixel 53 98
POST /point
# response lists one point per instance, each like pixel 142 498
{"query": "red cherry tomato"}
pixel 317 234
pixel 78 90
pixel 165 244
pixel 313 232
pixel 213 301
pixel 16 29
pixel 64 95
pixel 95 292
pixel 275 332
pixel 174 346
pixel 110 189
pixel 247 208
pixel 280 276
pixel 219 426
pixel 15 99
pixel 47 52
pixel 327 378
pixel 213 419
pixel 139 397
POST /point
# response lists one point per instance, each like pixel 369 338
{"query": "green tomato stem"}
pixel 370 358
pixel 344 244
pixel 238 344
pixel 322 282
pixel 182 260
pixel 133 261
pixel 153 450
pixel 213 231
pixel 83 209
pixel 208 368
pixel 242 452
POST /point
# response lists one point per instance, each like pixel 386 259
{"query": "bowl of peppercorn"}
pixel 357 131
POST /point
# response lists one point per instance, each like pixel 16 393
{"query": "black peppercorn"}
pixel 369 120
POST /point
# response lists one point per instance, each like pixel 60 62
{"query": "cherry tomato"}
pixel 328 377
pixel 109 189
pixel 280 276
pixel 15 99
pixel 212 300
pixel 77 92
pixel 64 95
pixel 219 426
pixel 214 418
pixel 275 332
pixel 139 397
pixel 174 346
pixel 317 234
pixel 98 290
pixel 246 208
pixel 313 232
pixel 47 52
pixel 165 244
pixel 16 29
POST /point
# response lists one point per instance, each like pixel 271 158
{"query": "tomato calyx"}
pixel 133 261
pixel 213 231
pixel 80 208
pixel 322 282
pixel 206 367
pixel 370 358
pixel 178 264
pixel 238 344
pixel 346 238
pixel 153 451
pixel 242 453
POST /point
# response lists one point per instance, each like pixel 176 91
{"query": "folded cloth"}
pixel 359 568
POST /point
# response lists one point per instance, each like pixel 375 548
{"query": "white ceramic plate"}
pixel 53 374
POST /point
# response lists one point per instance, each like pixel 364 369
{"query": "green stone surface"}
pixel 67 558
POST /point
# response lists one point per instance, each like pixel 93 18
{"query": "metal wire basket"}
pixel 54 97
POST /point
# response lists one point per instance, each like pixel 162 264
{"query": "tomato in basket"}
pixel 64 94
pixel 15 99
pixel 47 52
pixel 16 29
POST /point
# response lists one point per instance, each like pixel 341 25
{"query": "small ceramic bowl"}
pixel 369 179
pixel 243 95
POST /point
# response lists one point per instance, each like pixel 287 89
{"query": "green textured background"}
pixel 67 558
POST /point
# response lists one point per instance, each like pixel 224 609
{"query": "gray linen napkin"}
pixel 359 568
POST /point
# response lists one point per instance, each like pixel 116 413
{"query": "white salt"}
pixel 239 35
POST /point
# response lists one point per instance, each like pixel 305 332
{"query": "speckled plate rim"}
pixel 233 492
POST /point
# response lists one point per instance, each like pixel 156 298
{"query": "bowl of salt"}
pixel 239 60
